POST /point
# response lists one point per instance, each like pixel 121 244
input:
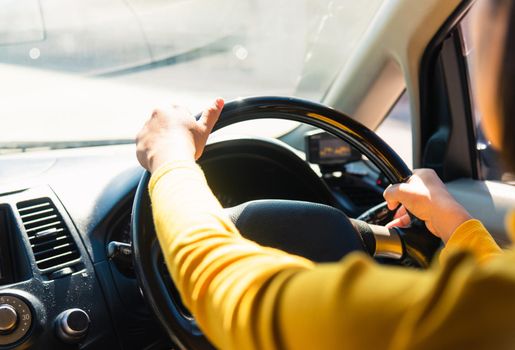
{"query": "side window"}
pixel 490 164
pixel 396 129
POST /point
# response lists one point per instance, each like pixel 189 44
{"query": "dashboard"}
pixel 66 276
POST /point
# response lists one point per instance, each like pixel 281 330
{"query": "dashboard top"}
pixel 88 181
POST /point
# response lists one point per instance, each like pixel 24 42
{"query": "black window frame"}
pixel 447 130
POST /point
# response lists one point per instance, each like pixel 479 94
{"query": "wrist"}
pixel 170 153
pixel 453 218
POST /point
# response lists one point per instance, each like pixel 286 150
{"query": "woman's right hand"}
pixel 425 196
pixel 174 134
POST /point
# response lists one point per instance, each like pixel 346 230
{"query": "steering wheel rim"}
pixel 181 329
pixel 323 117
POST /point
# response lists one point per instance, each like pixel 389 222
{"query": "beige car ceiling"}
pixel 387 60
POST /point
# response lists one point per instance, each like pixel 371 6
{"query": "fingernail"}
pixel 219 102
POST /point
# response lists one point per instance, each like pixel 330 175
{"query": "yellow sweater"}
pixel 245 296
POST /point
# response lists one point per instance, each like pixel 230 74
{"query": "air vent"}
pixel 52 244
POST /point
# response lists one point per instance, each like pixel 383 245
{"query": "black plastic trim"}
pixel 275 153
pixel 454 79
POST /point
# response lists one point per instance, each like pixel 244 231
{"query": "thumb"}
pixel 210 116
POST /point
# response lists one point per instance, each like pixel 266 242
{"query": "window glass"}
pixel 93 70
pixel 490 163
pixel 396 129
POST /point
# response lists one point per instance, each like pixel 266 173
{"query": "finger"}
pixel 390 195
pixel 399 222
pixel 398 194
pixel 210 116
pixel 402 211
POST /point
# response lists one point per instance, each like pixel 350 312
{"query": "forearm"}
pixel 182 201
pixel 219 274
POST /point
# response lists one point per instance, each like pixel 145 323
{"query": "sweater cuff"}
pixel 471 236
pixel 463 231
pixel 167 168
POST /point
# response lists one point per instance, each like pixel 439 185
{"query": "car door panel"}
pixel 488 201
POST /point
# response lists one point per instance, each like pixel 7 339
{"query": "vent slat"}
pixel 37 213
pixel 41 227
pixel 66 262
pixel 57 260
pixel 52 244
pixel 53 257
pixel 52 250
pixel 48 232
pixel 32 207
pixel 35 221
pixel 47 239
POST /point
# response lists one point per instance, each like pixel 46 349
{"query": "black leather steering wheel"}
pixel 293 226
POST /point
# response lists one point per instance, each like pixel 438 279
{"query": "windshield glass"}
pixel 94 69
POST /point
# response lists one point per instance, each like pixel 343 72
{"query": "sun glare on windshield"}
pixel 95 69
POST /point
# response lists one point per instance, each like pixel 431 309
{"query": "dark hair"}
pixel 507 86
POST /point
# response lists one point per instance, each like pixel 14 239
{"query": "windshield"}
pixel 94 69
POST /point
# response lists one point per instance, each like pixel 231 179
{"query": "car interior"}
pixel 79 264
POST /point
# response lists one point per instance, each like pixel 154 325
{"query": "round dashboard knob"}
pixel 72 325
pixel 8 318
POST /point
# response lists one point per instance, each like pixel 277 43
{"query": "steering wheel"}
pixel 293 226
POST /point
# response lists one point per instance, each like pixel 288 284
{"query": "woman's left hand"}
pixel 425 196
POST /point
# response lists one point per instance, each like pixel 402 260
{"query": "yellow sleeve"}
pixel 245 296
pixel 218 273
pixel 473 237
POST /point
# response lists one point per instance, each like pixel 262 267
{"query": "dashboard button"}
pixel 72 325
pixel 15 319
pixel 8 318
